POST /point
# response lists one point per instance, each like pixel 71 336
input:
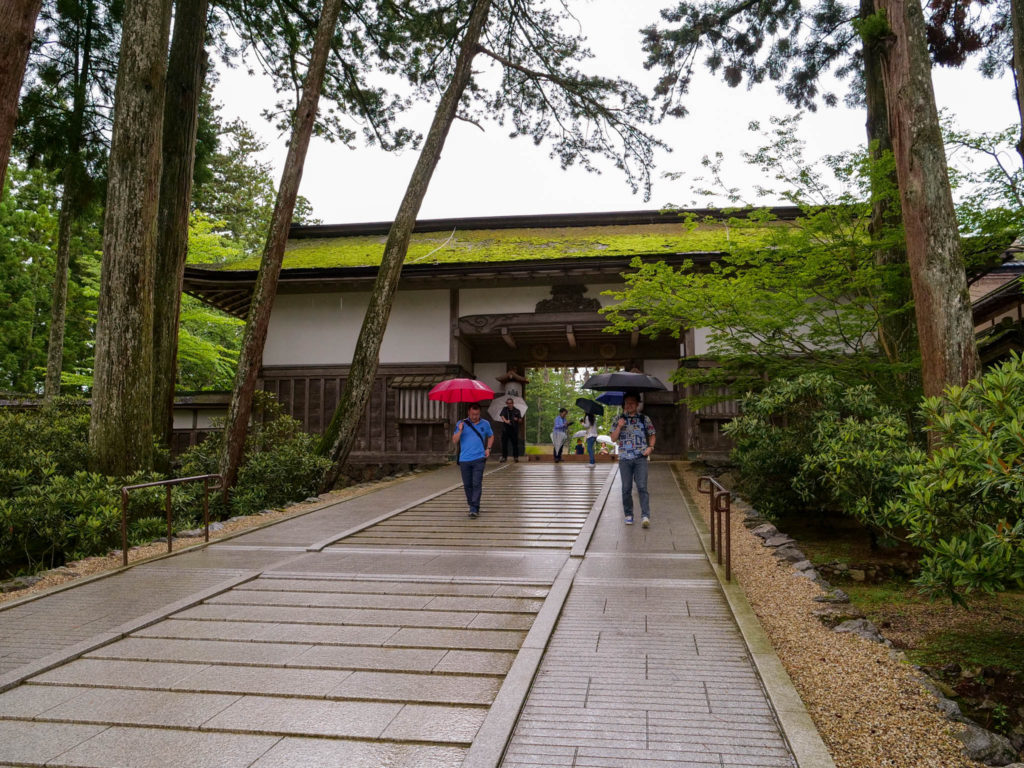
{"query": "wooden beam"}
pixel 506 334
pixel 571 336
pixel 634 339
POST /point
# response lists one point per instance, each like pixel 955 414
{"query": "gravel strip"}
pixel 868 705
pixel 91 566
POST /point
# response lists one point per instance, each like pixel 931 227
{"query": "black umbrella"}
pixel 625 381
pixel 589 406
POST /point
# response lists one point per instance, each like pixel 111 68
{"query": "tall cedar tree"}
pixel 942 304
pixel 185 69
pixel 547 98
pixel 64 127
pixel 121 423
pixel 15 40
pixel 265 290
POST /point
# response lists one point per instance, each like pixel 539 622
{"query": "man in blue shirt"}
pixel 473 436
pixel 635 436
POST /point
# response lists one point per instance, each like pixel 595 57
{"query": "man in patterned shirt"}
pixel 634 433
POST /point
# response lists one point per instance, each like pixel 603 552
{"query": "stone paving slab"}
pixel 341 753
pixel 646 665
pixel 158 747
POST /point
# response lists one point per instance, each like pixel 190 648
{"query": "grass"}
pixel 516 244
pixel 989 632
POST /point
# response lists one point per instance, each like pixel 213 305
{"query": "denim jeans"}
pixel 591 442
pixel 634 470
pixel 472 481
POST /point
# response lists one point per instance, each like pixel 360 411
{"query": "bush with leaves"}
pixel 813 443
pixel 280 463
pixel 964 503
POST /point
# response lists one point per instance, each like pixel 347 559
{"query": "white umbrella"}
pixel 558 439
pixel 604 439
pixel 581 433
pixel 494 410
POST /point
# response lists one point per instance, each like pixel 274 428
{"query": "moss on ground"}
pixel 517 244
pixel 989 632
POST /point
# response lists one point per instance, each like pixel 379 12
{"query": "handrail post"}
pixel 124 526
pixel 206 506
pixel 728 536
pixel 720 520
pixel 167 507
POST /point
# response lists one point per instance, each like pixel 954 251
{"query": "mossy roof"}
pixel 487 245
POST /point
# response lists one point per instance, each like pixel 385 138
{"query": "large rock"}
pixel 833 614
pixel 863 628
pixel 985 746
pixel 835 596
pixel 790 554
pixel 765 531
pixel 778 540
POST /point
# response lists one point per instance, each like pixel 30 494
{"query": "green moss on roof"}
pixel 515 244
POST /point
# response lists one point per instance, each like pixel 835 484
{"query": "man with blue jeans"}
pixel 635 436
pixel 473 436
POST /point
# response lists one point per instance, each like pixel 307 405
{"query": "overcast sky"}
pixel 486 173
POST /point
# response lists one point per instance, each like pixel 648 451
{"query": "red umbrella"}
pixel 461 391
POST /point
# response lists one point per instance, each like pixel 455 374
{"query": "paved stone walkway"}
pixel 391 630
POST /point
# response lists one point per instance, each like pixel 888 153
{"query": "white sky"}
pixel 487 173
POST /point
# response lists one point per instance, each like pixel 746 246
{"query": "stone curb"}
pixel 488 747
pixel 192 548
pixel 797 726
pixel 579 547
pixel 492 738
pixel 63 656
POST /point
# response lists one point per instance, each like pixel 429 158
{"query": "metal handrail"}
pixel 167 505
pixel 719 510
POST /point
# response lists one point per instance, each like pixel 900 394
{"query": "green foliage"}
pixel 807 296
pixel 964 503
pixel 812 443
pixel 40 441
pixel 513 244
pixel 238 200
pixel 280 462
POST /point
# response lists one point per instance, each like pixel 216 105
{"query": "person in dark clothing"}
pixel 510 417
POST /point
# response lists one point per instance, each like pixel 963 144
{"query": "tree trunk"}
pixel 15 40
pixel 121 426
pixel 340 435
pixel 1017 26
pixel 265 290
pixel 70 204
pixel 896 333
pixel 941 301
pixel 185 70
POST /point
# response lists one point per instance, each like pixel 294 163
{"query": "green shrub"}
pixel 790 445
pixel 280 463
pixel 57 430
pixel 964 503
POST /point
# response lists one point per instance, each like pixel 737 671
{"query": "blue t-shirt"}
pixel 472 447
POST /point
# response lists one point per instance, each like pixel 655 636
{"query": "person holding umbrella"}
pixel 474 437
pixel 591 411
pixel 634 433
pixel 511 416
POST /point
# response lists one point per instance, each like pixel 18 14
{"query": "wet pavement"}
pixel 392 630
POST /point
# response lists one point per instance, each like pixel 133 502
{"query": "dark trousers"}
pixel 509 436
pixel 473 481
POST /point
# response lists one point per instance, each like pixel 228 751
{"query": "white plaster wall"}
pixel 488 373
pixel 498 300
pixel 322 328
pixel 204 418
pixel 662 369
pixel 700 342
